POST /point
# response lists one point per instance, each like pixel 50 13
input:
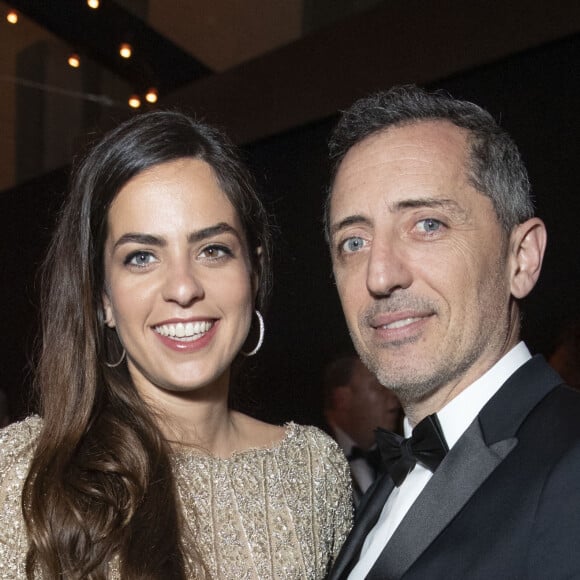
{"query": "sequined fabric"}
pixel 279 513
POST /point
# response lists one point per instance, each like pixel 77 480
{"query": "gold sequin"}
pixel 279 513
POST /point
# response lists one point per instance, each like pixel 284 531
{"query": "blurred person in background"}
pixel 355 404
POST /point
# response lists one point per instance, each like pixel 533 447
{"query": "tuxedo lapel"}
pixel 484 445
pixel 368 513
pixel 460 474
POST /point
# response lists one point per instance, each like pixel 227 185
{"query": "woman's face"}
pixel 178 280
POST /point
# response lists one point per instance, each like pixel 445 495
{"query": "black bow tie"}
pixel 427 446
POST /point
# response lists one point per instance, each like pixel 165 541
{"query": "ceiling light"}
pixel 125 50
pixel 74 60
pixel 134 101
pixel 12 17
pixel 94 4
pixel 151 96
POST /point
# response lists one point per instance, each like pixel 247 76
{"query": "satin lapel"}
pixel 484 445
pixel 369 511
pixel 461 473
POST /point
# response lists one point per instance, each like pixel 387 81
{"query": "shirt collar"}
pixel 459 413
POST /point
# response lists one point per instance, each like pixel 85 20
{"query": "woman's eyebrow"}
pixel 138 238
pixel 197 236
pixel 221 228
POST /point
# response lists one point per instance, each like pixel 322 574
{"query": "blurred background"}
pixel 273 74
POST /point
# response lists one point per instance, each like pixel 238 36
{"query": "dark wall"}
pixel 536 96
pixel 27 214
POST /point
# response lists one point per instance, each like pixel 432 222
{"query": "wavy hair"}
pixel 100 485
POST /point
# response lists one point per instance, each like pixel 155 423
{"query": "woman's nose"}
pixel 182 285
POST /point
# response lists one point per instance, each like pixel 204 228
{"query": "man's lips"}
pixel 397 320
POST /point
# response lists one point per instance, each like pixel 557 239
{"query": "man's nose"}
pixel 388 269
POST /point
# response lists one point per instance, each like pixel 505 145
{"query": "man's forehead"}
pixel 410 162
pixel 434 137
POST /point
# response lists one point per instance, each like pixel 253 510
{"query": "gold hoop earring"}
pixel 114 365
pixel 260 340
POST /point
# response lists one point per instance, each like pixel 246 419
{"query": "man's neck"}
pixel 416 411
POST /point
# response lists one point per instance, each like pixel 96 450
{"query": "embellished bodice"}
pixel 280 512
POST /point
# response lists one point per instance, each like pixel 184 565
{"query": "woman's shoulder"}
pixel 293 443
pixel 312 456
pixel 322 448
pixel 17 442
pixel 288 438
pixel 314 437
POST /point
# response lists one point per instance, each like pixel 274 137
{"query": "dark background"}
pixel 536 96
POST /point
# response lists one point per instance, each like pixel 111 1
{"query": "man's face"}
pixel 420 260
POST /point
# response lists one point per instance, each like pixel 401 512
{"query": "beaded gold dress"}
pixel 272 513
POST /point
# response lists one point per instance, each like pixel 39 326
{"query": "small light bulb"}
pixel 12 17
pixel 151 96
pixel 134 101
pixel 125 50
pixel 94 4
pixel 74 60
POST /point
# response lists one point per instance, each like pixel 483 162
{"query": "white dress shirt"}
pixel 454 418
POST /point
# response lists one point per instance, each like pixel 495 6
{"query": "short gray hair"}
pixel 496 168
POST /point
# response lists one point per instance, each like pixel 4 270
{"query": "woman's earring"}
pixel 260 340
pixel 114 365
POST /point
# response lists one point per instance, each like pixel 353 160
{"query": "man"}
pixel 355 404
pixel 433 244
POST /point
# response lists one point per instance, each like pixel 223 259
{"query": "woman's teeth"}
pixel 184 331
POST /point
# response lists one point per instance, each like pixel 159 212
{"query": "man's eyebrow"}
pixel 428 202
pixel 351 220
pixel 197 236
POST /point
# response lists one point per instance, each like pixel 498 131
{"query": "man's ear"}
pixel 527 247
pixel 108 311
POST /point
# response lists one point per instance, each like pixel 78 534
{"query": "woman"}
pixel 138 469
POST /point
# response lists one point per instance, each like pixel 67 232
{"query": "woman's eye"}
pixel 352 245
pixel 215 252
pixel 140 259
pixel 429 225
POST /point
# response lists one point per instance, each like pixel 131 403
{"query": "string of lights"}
pixel 74 60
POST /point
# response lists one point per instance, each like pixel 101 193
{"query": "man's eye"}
pixel 429 225
pixel 140 259
pixel 352 245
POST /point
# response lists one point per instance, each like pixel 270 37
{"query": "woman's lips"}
pixel 186 336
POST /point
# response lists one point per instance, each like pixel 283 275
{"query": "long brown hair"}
pixel 100 483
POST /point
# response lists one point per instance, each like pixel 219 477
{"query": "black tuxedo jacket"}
pixel 505 502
